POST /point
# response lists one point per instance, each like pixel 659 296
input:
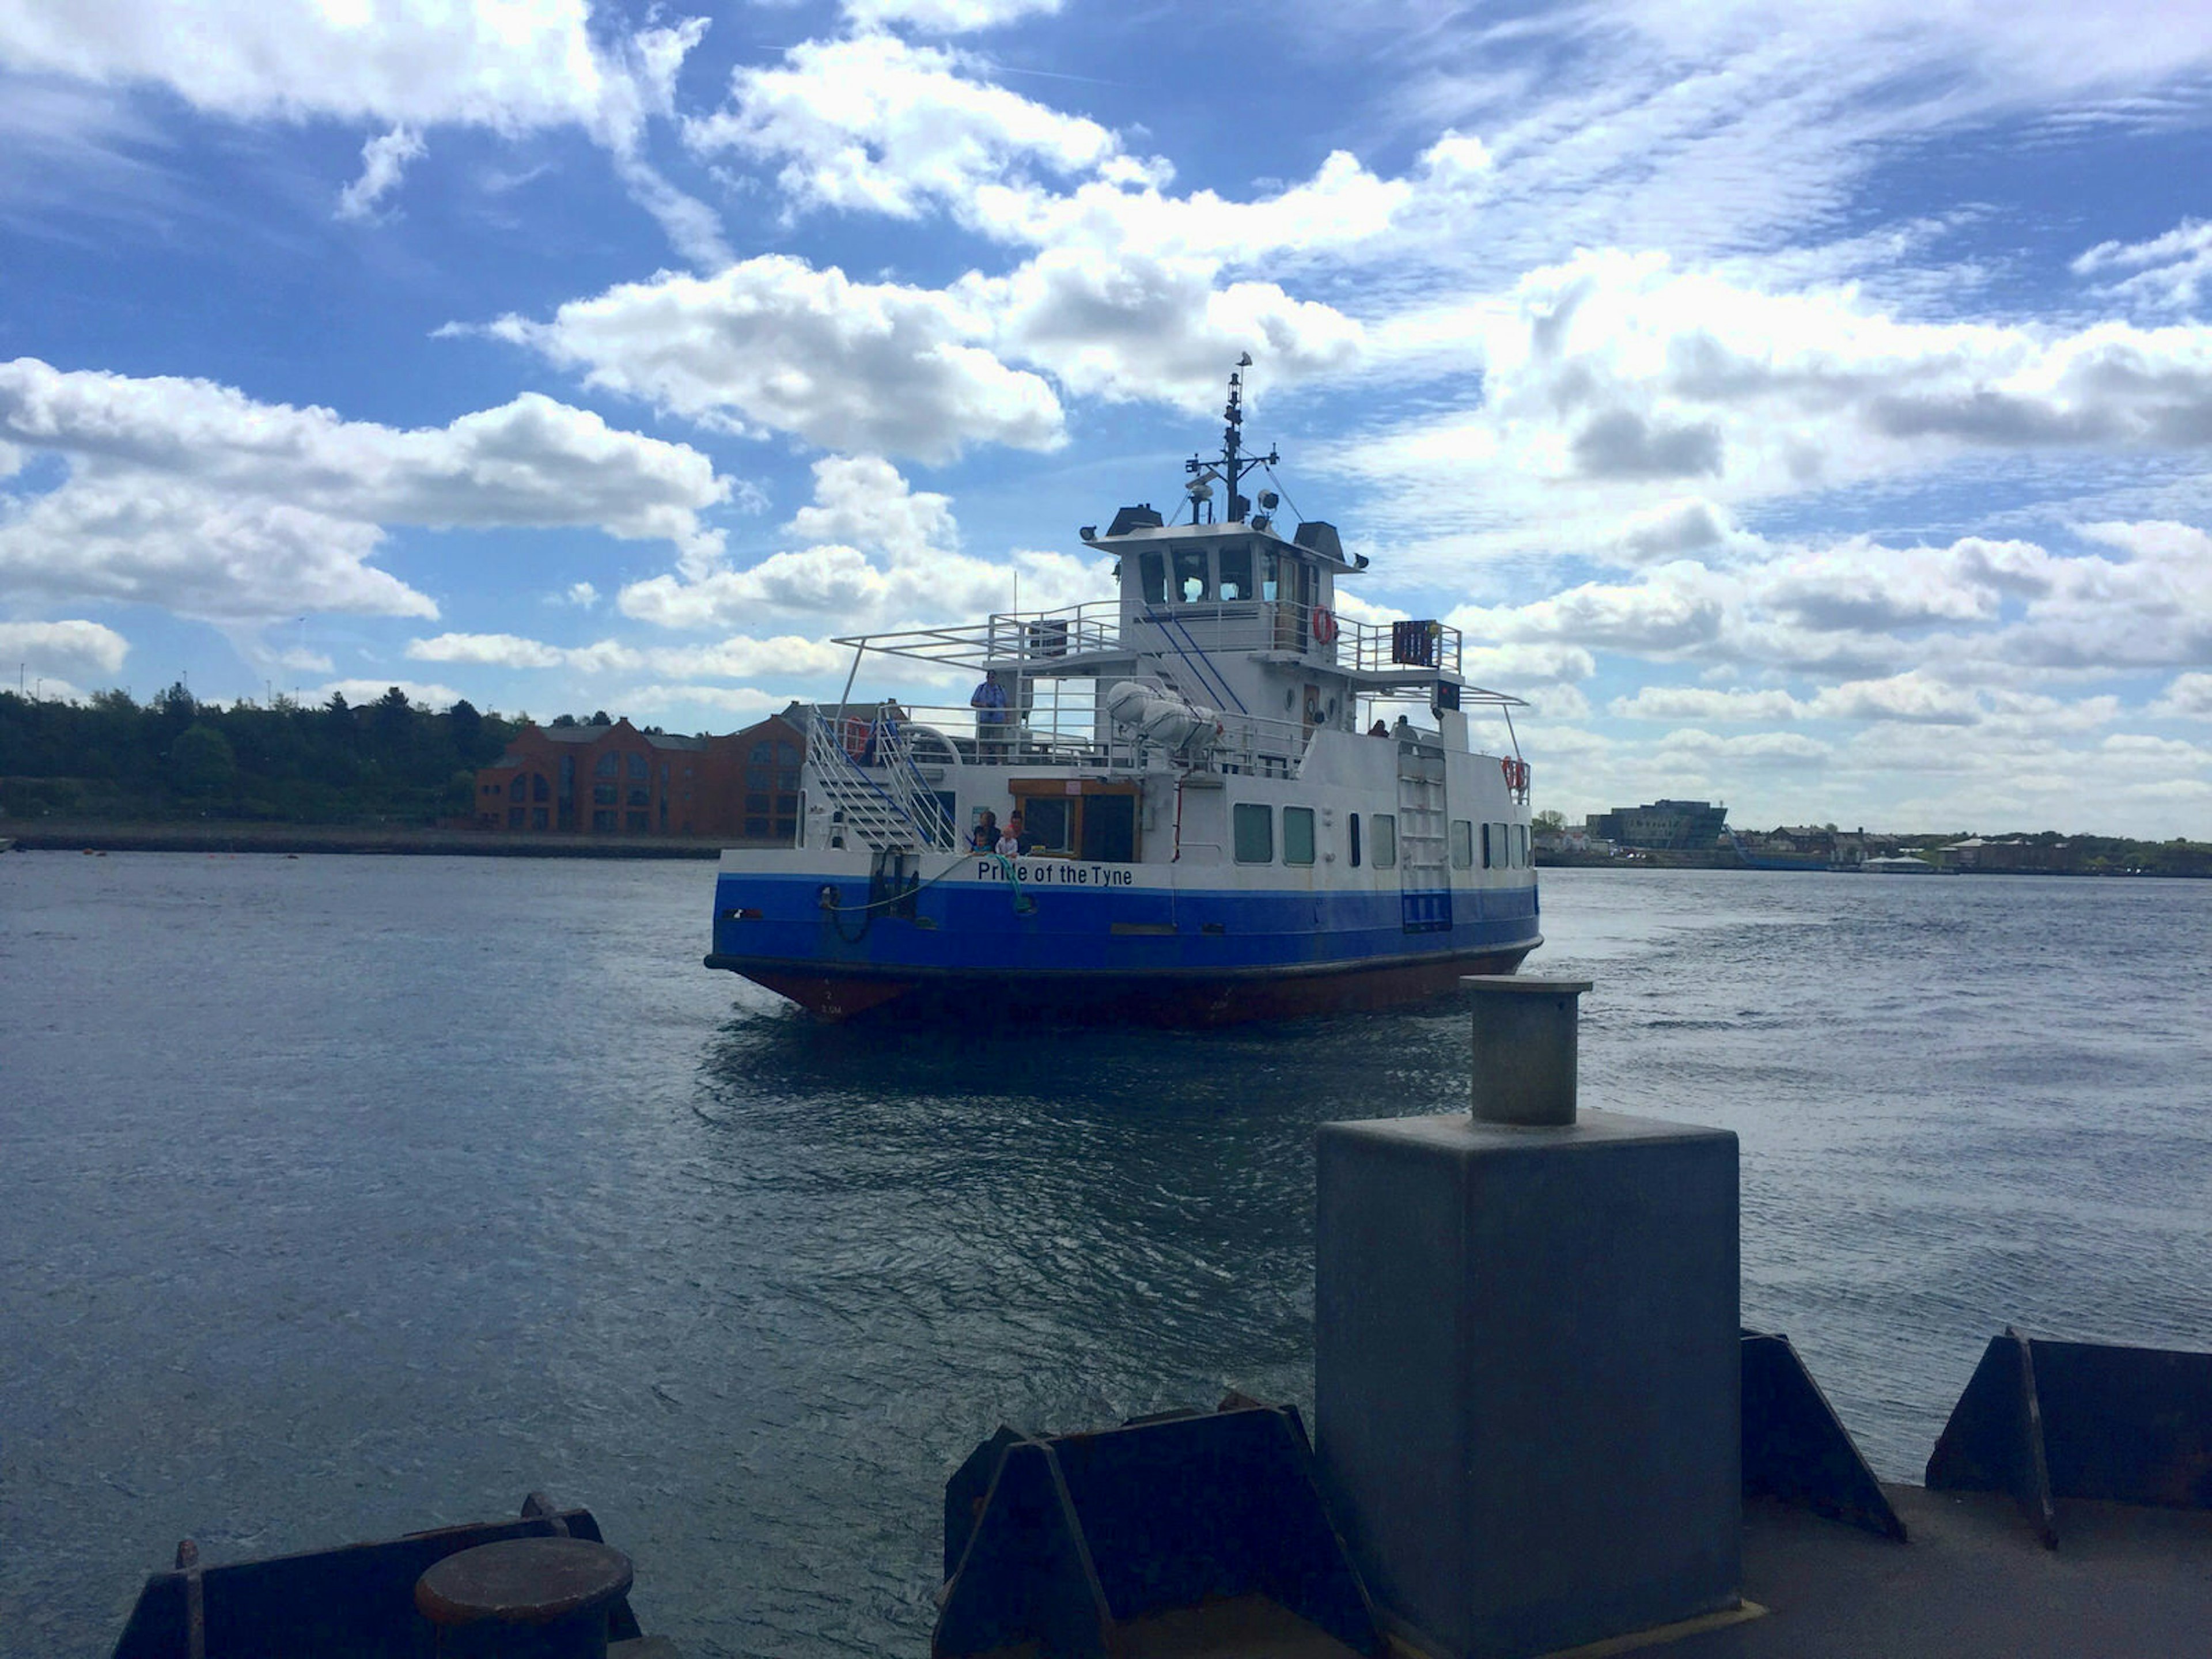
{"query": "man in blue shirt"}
pixel 989 704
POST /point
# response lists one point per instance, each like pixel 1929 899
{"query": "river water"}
pixel 346 1196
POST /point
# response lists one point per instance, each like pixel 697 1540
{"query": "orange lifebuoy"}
pixel 1324 625
pixel 856 738
pixel 1524 777
pixel 1507 765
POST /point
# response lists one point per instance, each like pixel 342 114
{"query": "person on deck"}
pixel 986 837
pixel 1021 836
pixel 882 740
pixel 989 702
pixel 1378 730
pixel 1010 843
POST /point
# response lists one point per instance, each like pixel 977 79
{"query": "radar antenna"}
pixel 1233 465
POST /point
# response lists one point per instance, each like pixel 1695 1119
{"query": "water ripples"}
pixel 345 1196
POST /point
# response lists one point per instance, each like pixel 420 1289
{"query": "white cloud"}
pixel 582 595
pixel 192 496
pixel 774 343
pixel 2171 271
pixel 738 657
pixel 874 123
pixel 946 16
pixel 868 554
pixel 509 65
pixel 1694 702
pixel 382 161
pixel 1132 325
pixel 1611 380
pixel 2189 697
pixel 81 650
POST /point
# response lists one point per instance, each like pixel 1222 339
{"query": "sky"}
pixel 1804 408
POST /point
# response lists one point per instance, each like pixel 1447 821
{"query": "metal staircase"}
pixel 887 805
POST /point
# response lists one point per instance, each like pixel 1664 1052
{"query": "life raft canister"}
pixel 856 738
pixel 1324 625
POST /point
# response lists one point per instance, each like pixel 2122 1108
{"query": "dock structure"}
pixel 1542 1434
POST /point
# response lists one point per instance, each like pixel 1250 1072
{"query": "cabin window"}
pixel 1520 845
pixel 1462 843
pixel 1489 857
pixel 1298 835
pixel 1047 824
pixel 1352 822
pixel 1504 843
pixel 1152 571
pixel 1255 834
pixel 1236 571
pixel 1385 841
pixel 1191 585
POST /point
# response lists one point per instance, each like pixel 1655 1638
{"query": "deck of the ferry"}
pixel 1971 1582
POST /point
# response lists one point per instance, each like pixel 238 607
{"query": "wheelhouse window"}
pixel 1255 833
pixel 1236 571
pixel 1193 586
pixel 1152 574
pixel 1385 830
pixel 1462 843
pixel 1298 835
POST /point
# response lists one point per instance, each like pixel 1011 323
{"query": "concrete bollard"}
pixel 1525 1048
pixel 1527 1354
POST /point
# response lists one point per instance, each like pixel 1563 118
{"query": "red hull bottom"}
pixel 1149 999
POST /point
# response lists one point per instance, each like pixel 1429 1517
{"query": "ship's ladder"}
pixel 886 804
pixel 1424 863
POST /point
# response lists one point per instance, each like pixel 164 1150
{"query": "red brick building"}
pixel 617 780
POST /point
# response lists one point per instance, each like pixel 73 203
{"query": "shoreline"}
pixel 71 836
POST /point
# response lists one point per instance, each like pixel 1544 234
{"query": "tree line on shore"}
pixel 110 757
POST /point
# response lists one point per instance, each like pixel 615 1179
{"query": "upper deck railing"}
pixel 1069 640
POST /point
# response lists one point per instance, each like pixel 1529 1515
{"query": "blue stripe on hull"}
pixel 1072 945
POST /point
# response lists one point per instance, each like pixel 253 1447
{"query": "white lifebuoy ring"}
pixel 1324 625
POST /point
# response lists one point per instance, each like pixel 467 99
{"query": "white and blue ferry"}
pixel 1233 804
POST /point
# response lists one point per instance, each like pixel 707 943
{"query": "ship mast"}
pixel 1233 465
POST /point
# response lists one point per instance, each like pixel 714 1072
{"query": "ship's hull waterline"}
pixel 1196 999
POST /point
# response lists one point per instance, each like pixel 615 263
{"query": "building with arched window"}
pixel 617 780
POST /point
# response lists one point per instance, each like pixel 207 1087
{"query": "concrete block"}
pixel 1526 1375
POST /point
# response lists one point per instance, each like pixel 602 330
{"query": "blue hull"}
pixel 1143 954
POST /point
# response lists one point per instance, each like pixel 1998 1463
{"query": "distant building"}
pixel 1671 824
pixel 617 780
pixel 2014 857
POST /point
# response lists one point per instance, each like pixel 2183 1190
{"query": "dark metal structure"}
pixel 1063 1541
pixel 1796 1449
pixel 2045 1421
pixel 357 1601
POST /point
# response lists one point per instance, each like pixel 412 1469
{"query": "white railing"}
pixel 1051 731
